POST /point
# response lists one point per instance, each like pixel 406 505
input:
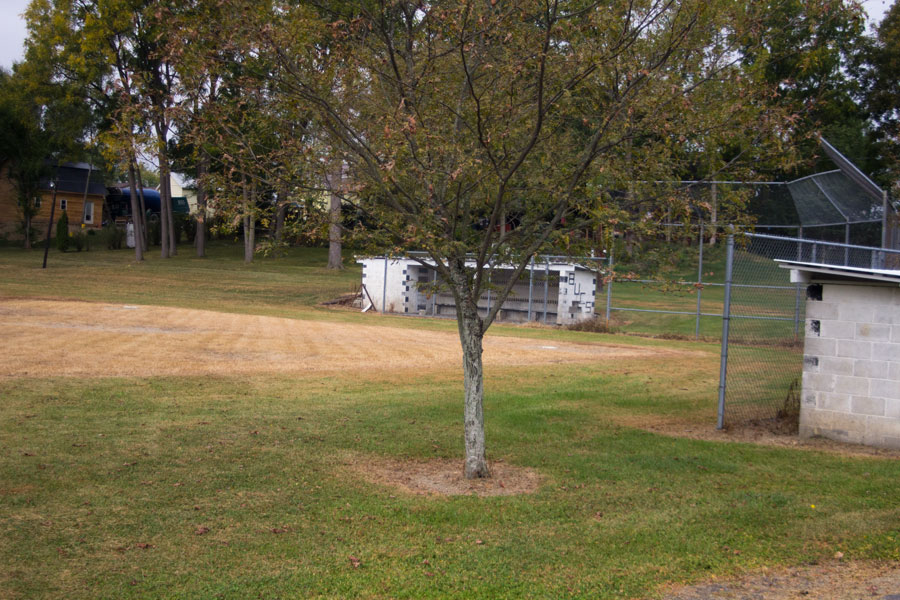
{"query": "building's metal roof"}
pixel 840 271
pixel 74 178
pixel 540 264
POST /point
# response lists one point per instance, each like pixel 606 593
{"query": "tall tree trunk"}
pixel 138 215
pixel 163 207
pixel 144 229
pixel 28 228
pixel 135 216
pixel 714 215
pixel 200 236
pixel 249 224
pixel 280 212
pixel 334 228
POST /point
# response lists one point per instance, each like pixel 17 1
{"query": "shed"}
pixel 851 362
pixel 550 292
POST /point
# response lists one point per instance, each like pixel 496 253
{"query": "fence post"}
pixel 699 283
pixel 384 287
pixel 726 318
pixel 609 277
pixel 546 288
pixel 530 286
pixel 846 245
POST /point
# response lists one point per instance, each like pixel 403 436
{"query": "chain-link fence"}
pixel 762 345
pixel 741 294
pixel 763 321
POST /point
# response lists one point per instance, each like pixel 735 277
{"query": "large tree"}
pixel 457 117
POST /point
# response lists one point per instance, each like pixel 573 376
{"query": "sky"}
pixel 12 26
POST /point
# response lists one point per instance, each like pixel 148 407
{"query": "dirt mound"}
pixel 444 477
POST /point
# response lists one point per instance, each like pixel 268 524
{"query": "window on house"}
pixel 62 204
pixel 37 202
pixel 89 212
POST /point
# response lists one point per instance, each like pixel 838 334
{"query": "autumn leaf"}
pixel 354 562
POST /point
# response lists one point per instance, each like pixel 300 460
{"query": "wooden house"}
pixel 79 191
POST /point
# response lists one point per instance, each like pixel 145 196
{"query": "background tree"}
pixel 881 81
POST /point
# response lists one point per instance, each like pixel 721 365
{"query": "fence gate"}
pixel 762 331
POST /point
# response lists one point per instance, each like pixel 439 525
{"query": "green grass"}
pixel 104 482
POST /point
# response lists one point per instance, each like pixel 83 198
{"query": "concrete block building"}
pixel 851 363
pixel 550 292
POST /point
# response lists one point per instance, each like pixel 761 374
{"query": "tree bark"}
pixel 334 227
pixel 249 222
pixel 471 335
pixel 144 229
pixel 27 229
pixel 714 215
pixel 135 216
pixel 280 212
pixel 138 214
pixel 163 207
pixel 200 236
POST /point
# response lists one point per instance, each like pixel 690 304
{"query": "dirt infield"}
pixel 115 340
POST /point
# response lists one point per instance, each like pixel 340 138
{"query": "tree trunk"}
pixel 249 224
pixel 471 334
pixel 144 229
pixel 27 229
pixel 200 236
pixel 334 228
pixel 280 212
pixel 135 217
pixel 163 207
pixel 714 214
pixel 138 215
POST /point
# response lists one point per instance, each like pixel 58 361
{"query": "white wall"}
pixel 373 278
pixel 851 366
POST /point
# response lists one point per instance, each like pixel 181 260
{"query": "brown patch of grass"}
pixel 761 432
pixel 444 477
pixel 595 325
pixel 835 580
pixel 108 340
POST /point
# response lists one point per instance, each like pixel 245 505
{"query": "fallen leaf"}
pixel 839 555
pixel 355 562
pixel 144 546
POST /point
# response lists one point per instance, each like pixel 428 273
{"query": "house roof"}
pixel 803 271
pixel 73 178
